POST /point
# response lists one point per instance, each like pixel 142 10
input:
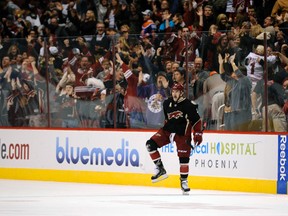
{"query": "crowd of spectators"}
pixel 91 63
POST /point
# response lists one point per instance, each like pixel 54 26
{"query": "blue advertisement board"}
pixel 282 164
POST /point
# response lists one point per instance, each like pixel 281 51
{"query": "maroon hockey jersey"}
pixel 180 116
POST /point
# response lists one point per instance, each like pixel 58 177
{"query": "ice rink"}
pixel 34 198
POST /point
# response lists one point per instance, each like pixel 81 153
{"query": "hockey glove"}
pixel 197 138
pixel 197 135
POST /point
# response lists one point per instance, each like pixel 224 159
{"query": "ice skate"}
pixel 160 174
pixel 184 186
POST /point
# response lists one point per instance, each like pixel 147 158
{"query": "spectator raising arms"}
pixel 97 44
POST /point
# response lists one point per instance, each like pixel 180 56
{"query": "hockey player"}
pixel 181 118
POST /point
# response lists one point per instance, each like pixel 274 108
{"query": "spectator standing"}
pixel 5 90
pixel 86 24
pixel 121 115
pixel 170 75
pixel 218 43
pixel 99 106
pixel 13 51
pixel 189 16
pixel 208 18
pixel 268 26
pixel 222 23
pixel 56 30
pixel 16 107
pixel 67 100
pixel 101 8
pixel 196 85
pixel 83 72
pixel 135 19
pixel 112 14
pixel 148 27
pixel 178 22
pixel 154 95
pixel 282 23
pixel 167 21
pixel 187 44
pixel 119 77
pixel 254 63
pixel 276 99
pixel 107 70
pixel 280 40
pixel 32 109
pixel 213 91
pixel 238 105
pixel 134 106
pixel 100 44
pixel 179 76
pixel 262 8
pixel 279 5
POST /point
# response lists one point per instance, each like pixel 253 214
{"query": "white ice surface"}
pixel 34 198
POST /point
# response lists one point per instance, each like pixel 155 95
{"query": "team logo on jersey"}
pixel 176 114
